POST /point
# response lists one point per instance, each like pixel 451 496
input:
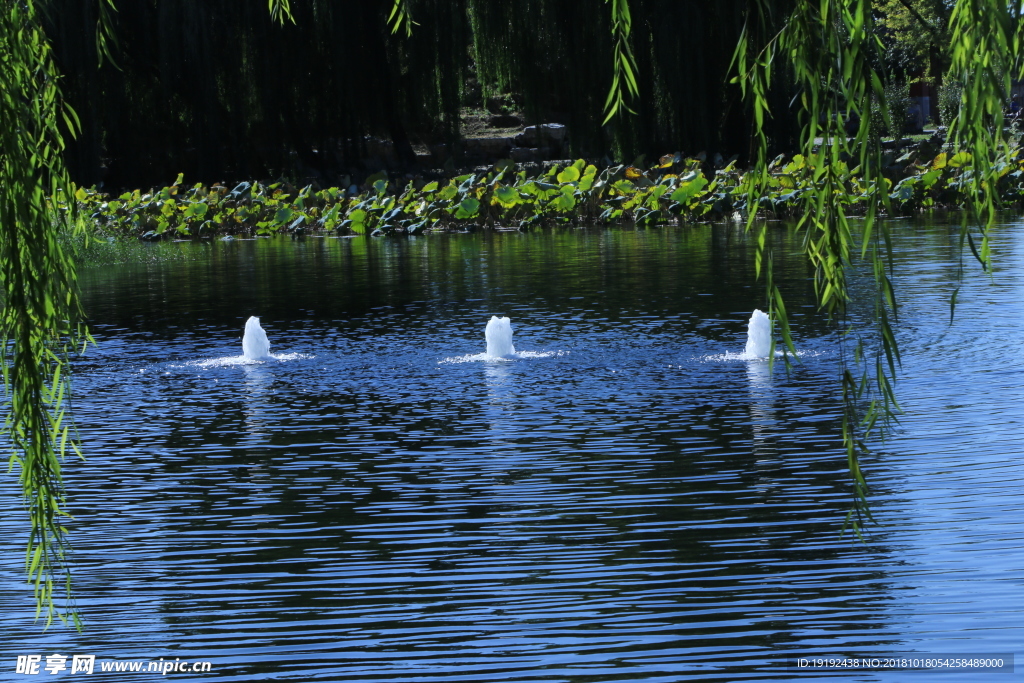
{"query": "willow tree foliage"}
pixel 37 282
pixel 829 53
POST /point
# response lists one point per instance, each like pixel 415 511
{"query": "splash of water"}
pixel 759 335
pixel 499 337
pixel 255 345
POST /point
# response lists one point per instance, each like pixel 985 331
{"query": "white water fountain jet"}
pixel 499 337
pixel 498 334
pixel 759 335
pixel 255 345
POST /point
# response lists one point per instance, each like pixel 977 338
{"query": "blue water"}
pixel 625 501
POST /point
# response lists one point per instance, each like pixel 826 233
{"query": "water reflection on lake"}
pixel 625 502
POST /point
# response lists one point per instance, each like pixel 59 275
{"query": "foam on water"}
pixel 243 360
pixel 475 357
pixel 733 355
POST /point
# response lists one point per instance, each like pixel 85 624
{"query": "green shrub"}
pixel 897 101
pixel 949 101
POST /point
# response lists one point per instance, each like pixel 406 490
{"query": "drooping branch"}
pixel 37 280
pixel 280 10
pixel 623 63
pixel 985 45
pixel 401 15
pixel 829 50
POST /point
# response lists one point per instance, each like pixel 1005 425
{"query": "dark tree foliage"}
pixel 556 54
pixel 219 91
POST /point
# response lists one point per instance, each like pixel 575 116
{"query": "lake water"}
pixel 626 502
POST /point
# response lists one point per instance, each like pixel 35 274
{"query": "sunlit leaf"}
pixel 960 159
pixel 569 175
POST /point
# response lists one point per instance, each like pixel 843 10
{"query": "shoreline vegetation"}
pixel 508 197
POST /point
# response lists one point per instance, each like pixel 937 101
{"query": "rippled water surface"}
pixel 625 501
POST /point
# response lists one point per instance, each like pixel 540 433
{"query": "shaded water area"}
pixel 624 501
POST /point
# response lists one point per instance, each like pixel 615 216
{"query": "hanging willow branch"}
pixel 280 10
pixel 106 37
pixel 624 67
pixel 829 48
pixel 985 39
pixel 624 64
pixel 40 307
pixel 401 15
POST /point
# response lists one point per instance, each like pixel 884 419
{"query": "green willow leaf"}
pixel 401 15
